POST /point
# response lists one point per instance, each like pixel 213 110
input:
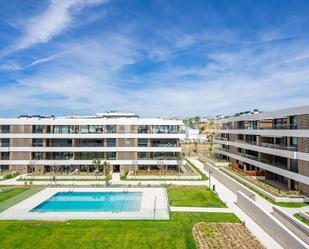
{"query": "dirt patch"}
pixel 224 235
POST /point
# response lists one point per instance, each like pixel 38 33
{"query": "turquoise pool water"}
pixel 91 202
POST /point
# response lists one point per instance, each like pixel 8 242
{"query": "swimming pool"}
pixel 91 202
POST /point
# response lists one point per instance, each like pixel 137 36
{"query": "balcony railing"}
pixel 256 158
pixel 278 146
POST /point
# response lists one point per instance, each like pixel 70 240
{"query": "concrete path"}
pixel 230 199
pixel 201 209
pixel 115 181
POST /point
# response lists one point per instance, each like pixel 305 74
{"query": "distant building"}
pixel 193 134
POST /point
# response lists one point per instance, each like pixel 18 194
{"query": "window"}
pixel 5 155
pixel 293 124
pixel 6 129
pixel 61 142
pixel 111 142
pixel 63 129
pixel 142 142
pixel 37 142
pixel 111 129
pixel 143 129
pixel 111 155
pixel 142 155
pixel 37 128
pixel 37 155
pixel 5 142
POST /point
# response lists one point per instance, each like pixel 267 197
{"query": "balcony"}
pixel 279 147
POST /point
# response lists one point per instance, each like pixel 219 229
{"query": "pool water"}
pixel 92 202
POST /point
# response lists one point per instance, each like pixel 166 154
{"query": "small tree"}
pixel 107 171
pixel 96 164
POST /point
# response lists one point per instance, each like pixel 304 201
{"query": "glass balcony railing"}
pixel 273 127
pixel 256 158
pixel 279 146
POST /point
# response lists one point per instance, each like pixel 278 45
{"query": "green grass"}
pixel 18 195
pixel 6 194
pixel 193 196
pixel 204 177
pixel 297 216
pixel 175 233
pixel 281 204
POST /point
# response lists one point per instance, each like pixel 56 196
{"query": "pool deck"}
pixel 153 206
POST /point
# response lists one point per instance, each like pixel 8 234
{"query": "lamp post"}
pixel 210 172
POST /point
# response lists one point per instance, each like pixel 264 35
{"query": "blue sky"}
pixel 168 58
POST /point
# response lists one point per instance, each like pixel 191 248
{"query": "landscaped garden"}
pixel 297 216
pixel 281 204
pixel 8 175
pixel 193 196
pixel 174 233
pixel 265 186
pixel 224 235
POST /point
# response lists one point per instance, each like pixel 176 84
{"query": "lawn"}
pixel 12 197
pixel 174 233
pixel 8 193
pixel 281 204
pixel 193 196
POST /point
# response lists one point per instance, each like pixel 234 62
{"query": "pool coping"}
pixel 154 205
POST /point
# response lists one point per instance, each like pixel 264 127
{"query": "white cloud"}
pixel 51 22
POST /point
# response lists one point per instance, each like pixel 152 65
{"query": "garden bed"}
pixel 265 186
pixel 224 235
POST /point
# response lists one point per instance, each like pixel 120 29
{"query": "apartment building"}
pixel 44 144
pixel 271 145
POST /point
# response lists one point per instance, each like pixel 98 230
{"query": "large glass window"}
pixel 111 129
pixel 37 142
pixel 37 128
pixel 143 129
pixel 5 142
pixel 111 155
pixel 142 142
pixel 5 129
pixel 164 142
pixel 64 129
pixel 142 155
pixel 60 155
pixel 61 142
pixel 5 155
pixel 91 155
pixel 164 129
pixel 37 155
pixel 111 142
pixel 91 143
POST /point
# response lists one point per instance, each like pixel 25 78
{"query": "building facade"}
pixel 272 145
pixel 43 144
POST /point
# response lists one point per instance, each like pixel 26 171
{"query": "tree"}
pixel 96 164
pixel 107 171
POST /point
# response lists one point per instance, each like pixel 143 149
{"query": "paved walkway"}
pixel 230 199
pixel 115 181
pixel 201 209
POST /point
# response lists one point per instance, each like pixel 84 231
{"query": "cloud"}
pixel 51 22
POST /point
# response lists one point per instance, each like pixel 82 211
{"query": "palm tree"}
pixel 96 164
